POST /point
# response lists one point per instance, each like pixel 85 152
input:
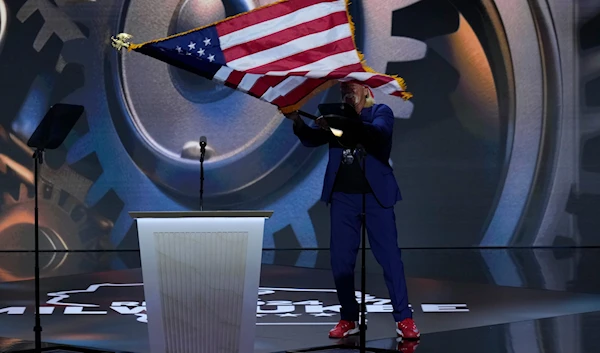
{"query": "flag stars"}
pixel 206 42
pixel 201 52
pixel 178 48
pixel 192 45
pixel 211 58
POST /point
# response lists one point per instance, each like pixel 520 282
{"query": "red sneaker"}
pixel 344 329
pixel 407 329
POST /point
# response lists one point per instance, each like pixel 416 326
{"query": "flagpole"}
pixel 307 115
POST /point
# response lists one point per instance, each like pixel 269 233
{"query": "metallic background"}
pixel 498 148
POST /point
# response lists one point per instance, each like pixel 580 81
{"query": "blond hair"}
pixel 370 98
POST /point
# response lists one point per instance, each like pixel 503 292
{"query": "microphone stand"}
pixel 38 156
pixel 362 157
pixel 202 152
pixel 307 115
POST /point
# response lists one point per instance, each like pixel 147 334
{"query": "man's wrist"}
pixel 297 120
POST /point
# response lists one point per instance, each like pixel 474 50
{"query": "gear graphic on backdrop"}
pixel 66 223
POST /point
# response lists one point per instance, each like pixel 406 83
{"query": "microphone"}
pixel 202 151
pixel 360 151
pixel 347 156
pixel 202 144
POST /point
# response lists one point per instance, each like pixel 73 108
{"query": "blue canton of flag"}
pixel 197 51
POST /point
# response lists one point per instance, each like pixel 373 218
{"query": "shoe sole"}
pixel 354 331
pixel 400 334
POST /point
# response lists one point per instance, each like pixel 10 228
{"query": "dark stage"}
pixel 479 300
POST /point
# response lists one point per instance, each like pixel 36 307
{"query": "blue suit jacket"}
pixel 378 125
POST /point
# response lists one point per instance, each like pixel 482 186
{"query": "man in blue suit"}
pixel 343 189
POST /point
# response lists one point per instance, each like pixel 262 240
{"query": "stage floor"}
pixel 463 301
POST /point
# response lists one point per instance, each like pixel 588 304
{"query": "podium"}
pixel 201 273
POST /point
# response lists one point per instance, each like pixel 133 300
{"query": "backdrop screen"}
pixel 499 146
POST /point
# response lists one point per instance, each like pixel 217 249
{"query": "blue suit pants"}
pixel 346 212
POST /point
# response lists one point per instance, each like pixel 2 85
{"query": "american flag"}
pixel 283 53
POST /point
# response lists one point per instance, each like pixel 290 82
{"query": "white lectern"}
pixel 201 274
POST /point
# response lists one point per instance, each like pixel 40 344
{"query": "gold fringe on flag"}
pixel 404 94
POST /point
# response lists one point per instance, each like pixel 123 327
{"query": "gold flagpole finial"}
pixel 121 41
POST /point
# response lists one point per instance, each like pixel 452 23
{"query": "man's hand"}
pixel 322 123
pixel 293 116
pixel 310 136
